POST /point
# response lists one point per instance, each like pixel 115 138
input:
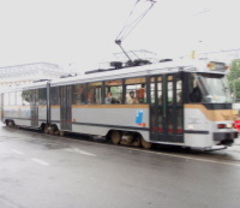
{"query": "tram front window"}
pixel 213 88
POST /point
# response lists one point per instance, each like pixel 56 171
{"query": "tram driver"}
pixel 196 94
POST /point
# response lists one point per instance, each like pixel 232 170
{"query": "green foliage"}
pixel 234 70
pixel 234 78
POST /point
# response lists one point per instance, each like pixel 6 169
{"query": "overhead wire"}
pixel 128 18
pixel 129 27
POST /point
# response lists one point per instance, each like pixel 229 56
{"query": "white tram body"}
pixel 176 103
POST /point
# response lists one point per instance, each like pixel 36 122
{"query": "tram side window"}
pixel 113 91
pixel 179 90
pixel 12 99
pixel 136 90
pixel 6 99
pixel 170 90
pixel 94 93
pixel 152 90
pixel 159 91
pixel 79 93
pixel 156 94
pixel 179 97
pixel 19 98
pixel 170 103
pixel 33 97
pixel 26 94
pixel 42 96
pixel 55 96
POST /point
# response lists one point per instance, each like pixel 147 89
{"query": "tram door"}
pixel 34 107
pixel 166 111
pixel 66 108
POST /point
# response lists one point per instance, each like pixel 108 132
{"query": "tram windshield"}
pixel 213 88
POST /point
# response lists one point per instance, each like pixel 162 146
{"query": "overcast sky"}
pixel 83 32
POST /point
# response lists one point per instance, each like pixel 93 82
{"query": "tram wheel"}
pixel 115 137
pixel 137 142
pixel 61 133
pixel 53 130
pixel 45 129
pixel 7 123
pixel 145 144
pixel 10 123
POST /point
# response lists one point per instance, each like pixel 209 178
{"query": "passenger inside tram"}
pixel 141 94
pixel 110 99
pixel 131 99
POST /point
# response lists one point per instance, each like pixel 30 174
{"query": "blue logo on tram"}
pixel 139 117
pixel 27 113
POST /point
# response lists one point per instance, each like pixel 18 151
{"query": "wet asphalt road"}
pixel 44 171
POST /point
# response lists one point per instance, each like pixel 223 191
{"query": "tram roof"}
pixel 129 72
pixel 152 69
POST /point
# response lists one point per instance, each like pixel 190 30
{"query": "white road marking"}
pixel 41 162
pixel 80 151
pixel 17 152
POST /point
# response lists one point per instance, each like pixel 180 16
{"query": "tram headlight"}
pixel 229 126
pixel 190 127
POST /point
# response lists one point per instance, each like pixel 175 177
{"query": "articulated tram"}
pixel 173 103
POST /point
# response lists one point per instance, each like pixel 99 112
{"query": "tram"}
pixel 174 103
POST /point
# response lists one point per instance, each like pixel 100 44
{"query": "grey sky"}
pixel 83 32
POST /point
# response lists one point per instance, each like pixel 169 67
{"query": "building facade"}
pixel 11 76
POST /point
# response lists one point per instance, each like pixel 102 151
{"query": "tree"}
pixel 234 78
